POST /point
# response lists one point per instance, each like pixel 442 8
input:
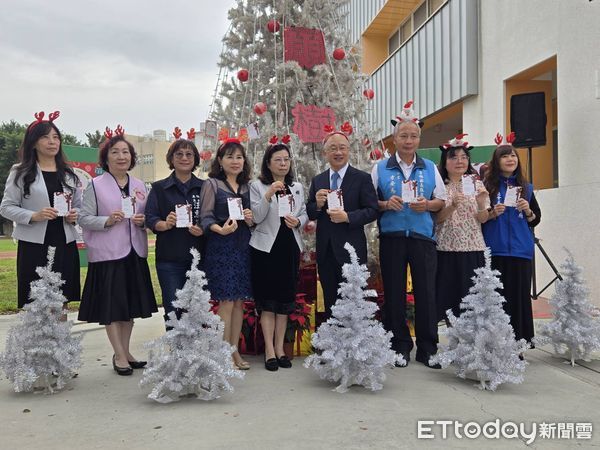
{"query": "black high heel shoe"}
pixel 121 370
pixel 137 364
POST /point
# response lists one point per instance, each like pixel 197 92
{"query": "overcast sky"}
pixel 145 64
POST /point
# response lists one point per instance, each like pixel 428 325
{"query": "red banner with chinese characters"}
pixel 309 121
pixel 306 46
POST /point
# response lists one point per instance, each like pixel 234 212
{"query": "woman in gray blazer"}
pixel 31 188
pixel 278 208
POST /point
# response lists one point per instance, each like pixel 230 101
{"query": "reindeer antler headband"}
pixel 190 134
pixel 119 131
pixel 285 139
pixel 345 130
pixel 39 118
pixel 499 140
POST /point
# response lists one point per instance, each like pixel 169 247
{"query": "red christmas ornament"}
pixel 242 75
pixel 310 227
pixel 205 155
pixel 376 154
pixel 273 26
pixel 260 108
pixel 369 94
pixel 339 54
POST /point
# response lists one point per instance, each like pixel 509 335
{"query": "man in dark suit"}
pixel 336 227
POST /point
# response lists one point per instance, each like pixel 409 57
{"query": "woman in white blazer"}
pixel 275 247
pixel 28 201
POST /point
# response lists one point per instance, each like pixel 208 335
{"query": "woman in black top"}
pixel 173 243
pixel 29 201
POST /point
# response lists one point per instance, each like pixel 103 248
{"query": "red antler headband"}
pixel 177 133
pixel 39 118
pixel 119 131
pixel 345 130
pixel 509 139
pixel 191 134
pixel 285 139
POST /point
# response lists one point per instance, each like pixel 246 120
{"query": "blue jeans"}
pixel 171 276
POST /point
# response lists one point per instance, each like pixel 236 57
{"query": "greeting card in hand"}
pixel 512 195
pixel 184 215
pixel 236 210
pixel 335 199
pixel 128 206
pixel 409 191
pixel 62 202
pixel 469 185
pixel 286 204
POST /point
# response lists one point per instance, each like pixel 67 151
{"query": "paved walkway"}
pixel 292 409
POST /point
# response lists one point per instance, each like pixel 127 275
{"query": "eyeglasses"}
pixel 183 155
pixel 282 160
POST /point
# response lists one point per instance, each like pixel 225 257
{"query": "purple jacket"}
pixel 101 197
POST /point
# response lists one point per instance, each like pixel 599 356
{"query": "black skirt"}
pixel 453 279
pixel 515 274
pixel 66 261
pixel 117 291
pixel 275 274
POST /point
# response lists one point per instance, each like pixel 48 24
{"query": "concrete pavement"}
pixel 293 409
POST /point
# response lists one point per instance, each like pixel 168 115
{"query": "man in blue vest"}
pixel 406 236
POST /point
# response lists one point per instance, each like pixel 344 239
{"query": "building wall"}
pixel 151 165
pixel 518 34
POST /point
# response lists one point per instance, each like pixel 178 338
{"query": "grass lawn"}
pixel 8 278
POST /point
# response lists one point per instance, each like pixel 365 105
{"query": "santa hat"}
pixel 407 115
pixel 457 142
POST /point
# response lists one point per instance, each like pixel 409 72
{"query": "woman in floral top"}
pixel 458 229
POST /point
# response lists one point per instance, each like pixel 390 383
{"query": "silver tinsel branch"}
pixel 40 351
pixel 481 341
pixel 191 359
pixel 574 330
pixel 354 347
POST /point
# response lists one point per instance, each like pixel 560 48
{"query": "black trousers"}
pixel 330 275
pixel 395 254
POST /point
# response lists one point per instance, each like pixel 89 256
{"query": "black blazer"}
pixel 360 202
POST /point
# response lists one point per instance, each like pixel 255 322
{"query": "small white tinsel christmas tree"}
pixel 574 331
pixel 481 340
pixel 191 358
pixel 40 350
pixel 355 349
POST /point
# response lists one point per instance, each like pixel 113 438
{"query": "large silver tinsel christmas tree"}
pixel 353 348
pixel 278 83
pixel 574 330
pixel 40 350
pixel 481 341
pixel 191 359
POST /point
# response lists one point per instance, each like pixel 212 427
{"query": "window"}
pixel 394 42
pixel 434 5
pixel 405 31
pixel 420 16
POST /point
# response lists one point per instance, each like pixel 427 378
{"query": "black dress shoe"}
pixel 406 356
pixel 424 358
pixel 137 364
pixel 121 370
pixel 271 364
pixel 284 362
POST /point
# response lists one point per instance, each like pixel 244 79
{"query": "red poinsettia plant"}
pixel 299 319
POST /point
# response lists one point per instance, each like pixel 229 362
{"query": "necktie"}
pixel 334 181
